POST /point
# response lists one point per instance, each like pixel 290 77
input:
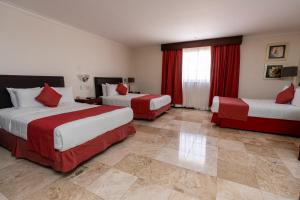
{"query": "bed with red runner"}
pixel 256 115
pixel 144 106
pixel 65 136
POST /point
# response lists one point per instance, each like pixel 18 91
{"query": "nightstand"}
pixel 94 101
pixel 135 92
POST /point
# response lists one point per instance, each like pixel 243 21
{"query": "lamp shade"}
pixel 290 71
pixel 130 80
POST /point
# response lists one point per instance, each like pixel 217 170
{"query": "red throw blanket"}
pixel 141 105
pixel 40 132
pixel 233 108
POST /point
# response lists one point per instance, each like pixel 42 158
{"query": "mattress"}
pixel 266 108
pixel 125 100
pixel 69 135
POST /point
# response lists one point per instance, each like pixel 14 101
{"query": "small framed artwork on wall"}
pixel 277 51
pixel 273 71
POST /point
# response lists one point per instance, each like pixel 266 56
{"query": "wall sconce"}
pixel 83 77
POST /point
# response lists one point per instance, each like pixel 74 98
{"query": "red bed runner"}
pixel 40 132
pixel 233 108
pixel 141 104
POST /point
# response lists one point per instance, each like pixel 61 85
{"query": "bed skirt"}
pixel 266 125
pixel 67 160
pixel 152 114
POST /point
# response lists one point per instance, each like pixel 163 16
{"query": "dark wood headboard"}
pixel 102 80
pixel 20 81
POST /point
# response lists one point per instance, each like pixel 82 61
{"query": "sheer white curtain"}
pixel 196 64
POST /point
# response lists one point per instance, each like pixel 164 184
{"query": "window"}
pixel 196 64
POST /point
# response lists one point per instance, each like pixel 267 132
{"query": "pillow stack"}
pixel 47 96
pixel 114 89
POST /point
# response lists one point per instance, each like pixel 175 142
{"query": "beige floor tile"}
pixel 2 197
pixel 85 176
pixel 294 167
pixel 6 158
pixel 284 144
pixel 63 190
pixel 181 196
pixel 287 154
pixel 270 196
pixel 147 191
pixel 183 126
pixel 205 162
pixel 133 163
pixel 151 138
pixel 147 129
pixel 179 179
pixel 112 185
pixel 23 178
pixel 112 155
pixel 261 150
pixel 145 149
pixel 232 145
pixel 190 141
pixel 274 177
pixel 238 173
pixel 228 190
pixel 233 157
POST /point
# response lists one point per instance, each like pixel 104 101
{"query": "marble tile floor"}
pixel 179 156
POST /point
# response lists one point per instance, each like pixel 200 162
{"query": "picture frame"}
pixel 277 51
pixel 273 72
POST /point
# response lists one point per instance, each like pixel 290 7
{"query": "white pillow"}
pixel 67 94
pixel 111 89
pixel 126 87
pixel 26 97
pixel 13 96
pixel 104 90
pixel 296 100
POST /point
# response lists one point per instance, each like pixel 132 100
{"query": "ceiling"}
pixel 138 23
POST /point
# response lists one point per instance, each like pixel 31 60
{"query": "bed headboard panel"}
pixel 103 80
pixel 20 81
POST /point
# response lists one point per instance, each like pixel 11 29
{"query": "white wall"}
pixel 147 62
pixel 253 59
pixel 34 45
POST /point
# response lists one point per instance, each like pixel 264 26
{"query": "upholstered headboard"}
pixel 20 81
pixel 102 80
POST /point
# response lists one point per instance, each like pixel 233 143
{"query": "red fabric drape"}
pixel 225 71
pixel 172 75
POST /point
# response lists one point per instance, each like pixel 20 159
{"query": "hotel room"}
pixel 149 100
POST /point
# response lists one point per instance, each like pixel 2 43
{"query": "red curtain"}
pixel 171 75
pixel 225 71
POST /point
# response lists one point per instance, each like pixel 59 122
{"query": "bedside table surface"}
pixel 96 101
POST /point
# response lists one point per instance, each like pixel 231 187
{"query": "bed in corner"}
pixel 144 106
pixel 60 137
pixel 256 115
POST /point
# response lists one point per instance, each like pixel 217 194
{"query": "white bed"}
pixel 125 100
pixel 69 135
pixel 266 108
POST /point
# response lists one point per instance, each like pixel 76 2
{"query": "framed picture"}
pixel 273 71
pixel 277 51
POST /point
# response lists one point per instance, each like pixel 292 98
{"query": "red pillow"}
pixel 48 96
pixel 121 89
pixel 286 96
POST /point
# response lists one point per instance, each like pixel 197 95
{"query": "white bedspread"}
pixel 125 100
pixel 266 108
pixel 67 135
